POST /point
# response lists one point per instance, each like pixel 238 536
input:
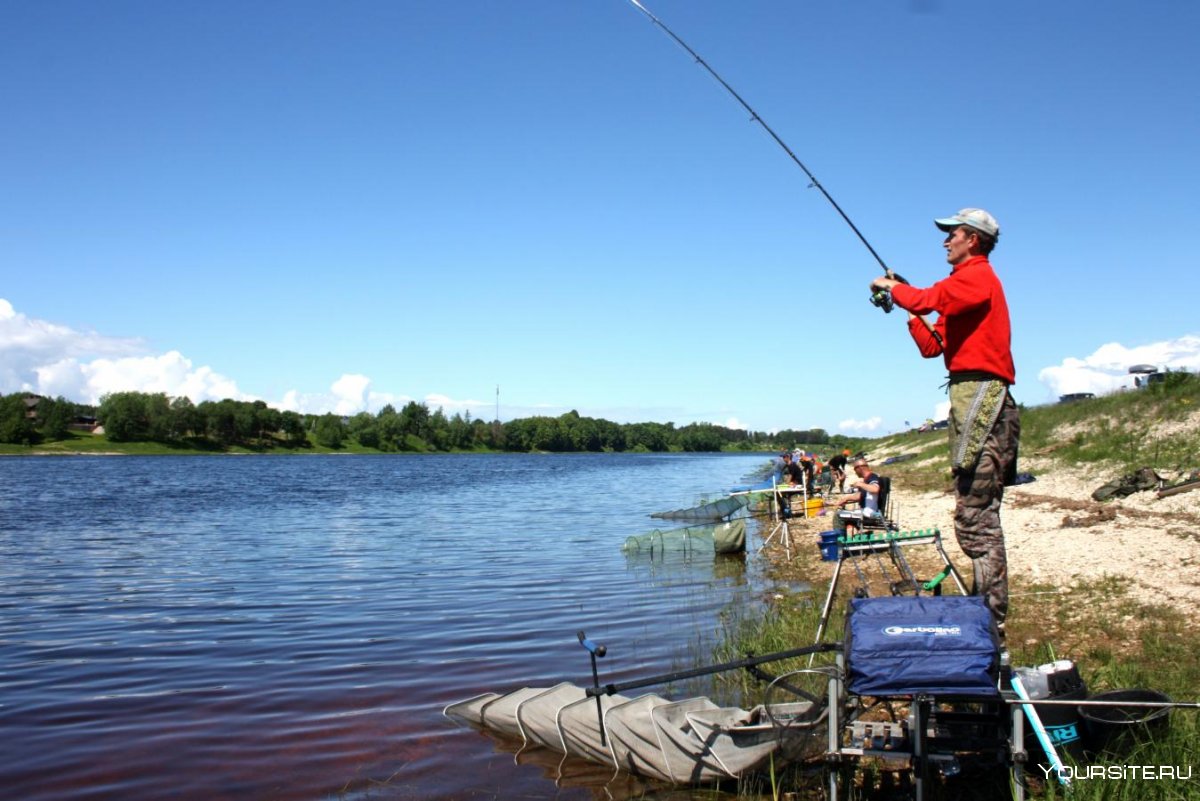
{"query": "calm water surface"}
pixel 291 627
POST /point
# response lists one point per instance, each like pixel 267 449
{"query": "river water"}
pixel 290 627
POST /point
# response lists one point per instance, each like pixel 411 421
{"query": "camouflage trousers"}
pixel 979 489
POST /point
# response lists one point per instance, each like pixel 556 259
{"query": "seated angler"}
pixel 865 494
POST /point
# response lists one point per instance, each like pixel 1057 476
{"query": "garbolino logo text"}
pixel 937 631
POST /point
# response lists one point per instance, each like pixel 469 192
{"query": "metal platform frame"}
pixel 781 526
pixel 862 546
pixel 938 731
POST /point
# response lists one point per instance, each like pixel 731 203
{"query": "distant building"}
pixel 85 423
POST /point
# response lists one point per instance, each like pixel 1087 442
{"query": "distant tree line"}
pixel 155 417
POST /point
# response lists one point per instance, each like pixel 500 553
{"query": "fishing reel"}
pixel 883 300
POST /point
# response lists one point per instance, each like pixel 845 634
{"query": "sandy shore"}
pixel 1058 537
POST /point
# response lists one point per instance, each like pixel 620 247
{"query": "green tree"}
pixel 700 437
pixel 157 409
pixel 612 436
pixel 15 427
pixel 186 420
pixel 244 423
pixel 391 433
pixel 439 430
pixel 495 436
pixel 220 421
pixel 54 417
pixel 414 420
pixel 517 435
pixel 654 437
pixel 123 415
pixel 329 431
pixel 266 421
pixel 363 429
pixel 579 433
pixel 552 434
pixel 136 416
pixel 459 432
pixel 292 425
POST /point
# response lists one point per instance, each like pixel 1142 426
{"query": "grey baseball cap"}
pixel 976 218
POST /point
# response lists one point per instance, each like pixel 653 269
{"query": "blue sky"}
pixel 332 206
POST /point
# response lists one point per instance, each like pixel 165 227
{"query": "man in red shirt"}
pixel 972 334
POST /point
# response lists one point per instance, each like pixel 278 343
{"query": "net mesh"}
pixel 720 538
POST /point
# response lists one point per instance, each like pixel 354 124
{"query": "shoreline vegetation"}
pixel 137 423
pixel 1109 585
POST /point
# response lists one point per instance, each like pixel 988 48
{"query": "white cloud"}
pixel 735 424
pixel 347 396
pixel 451 406
pixel 171 373
pixel 1108 368
pixel 860 426
pixel 52 359
pixel 350 394
pixel 29 346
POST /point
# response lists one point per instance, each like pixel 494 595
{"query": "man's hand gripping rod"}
pixel 882 297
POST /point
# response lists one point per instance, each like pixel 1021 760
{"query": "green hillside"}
pixel 1158 426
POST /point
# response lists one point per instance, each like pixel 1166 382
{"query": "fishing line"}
pixel 882 301
pixel 756 118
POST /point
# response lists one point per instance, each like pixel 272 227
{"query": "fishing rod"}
pixel 598 689
pixel 881 299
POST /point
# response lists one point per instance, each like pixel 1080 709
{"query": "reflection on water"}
pixel 600 782
pixel 291 627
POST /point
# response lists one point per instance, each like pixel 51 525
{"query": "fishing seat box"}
pixel 933 645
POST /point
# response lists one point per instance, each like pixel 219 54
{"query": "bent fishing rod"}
pixel 881 299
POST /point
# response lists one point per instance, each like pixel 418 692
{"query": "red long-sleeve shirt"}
pixel 972 319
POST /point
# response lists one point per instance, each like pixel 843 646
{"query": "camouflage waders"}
pixel 985 428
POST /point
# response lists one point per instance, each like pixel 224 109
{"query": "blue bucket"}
pixel 830 549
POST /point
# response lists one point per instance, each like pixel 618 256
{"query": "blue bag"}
pixel 939 645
